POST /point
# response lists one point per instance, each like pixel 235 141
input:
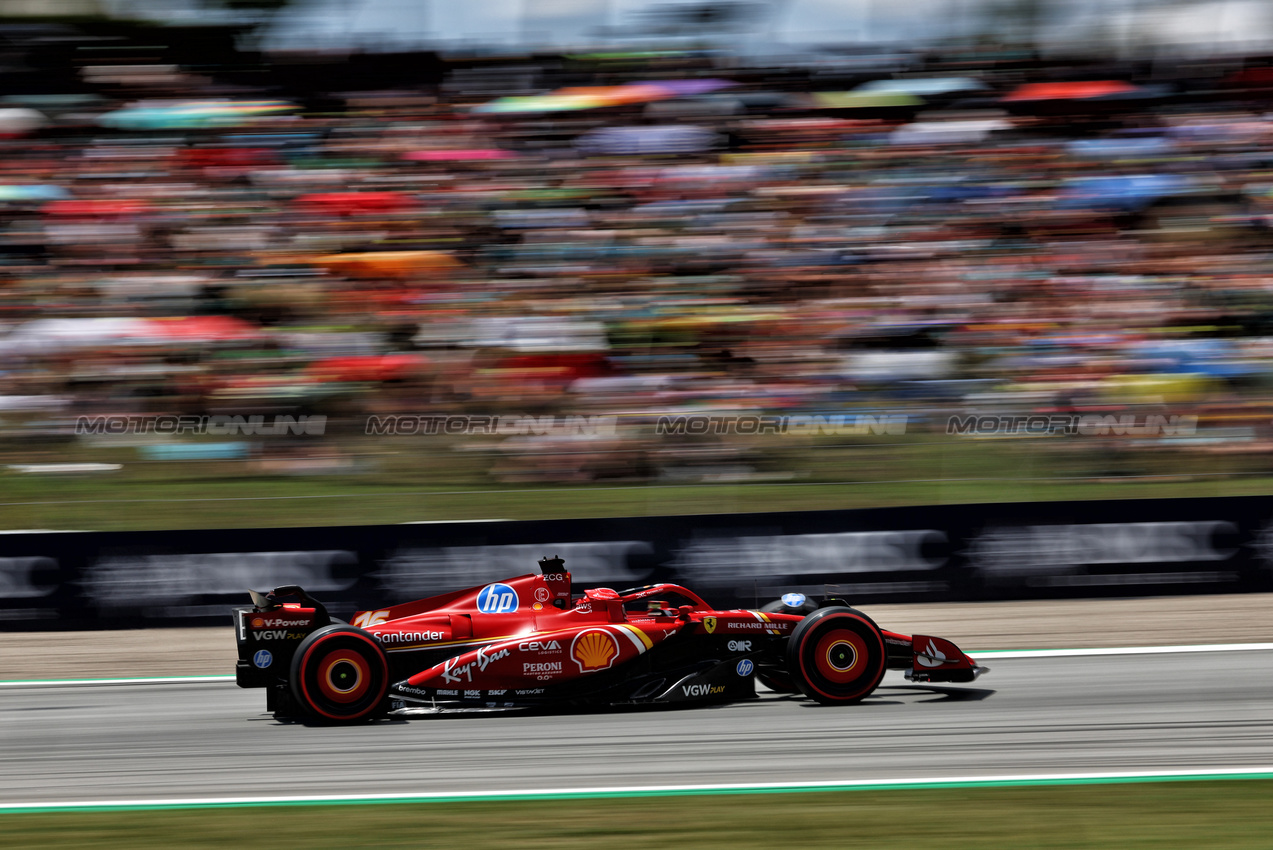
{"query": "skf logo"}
pixel 594 650
pixel 709 623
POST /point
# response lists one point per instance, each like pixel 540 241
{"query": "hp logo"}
pixel 744 667
pixel 263 658
pixel 497 599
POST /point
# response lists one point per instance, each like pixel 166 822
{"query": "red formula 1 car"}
pixel 529 641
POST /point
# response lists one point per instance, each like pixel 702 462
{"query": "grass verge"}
pixel 1233 814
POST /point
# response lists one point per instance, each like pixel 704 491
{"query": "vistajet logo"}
pixel 811 426
pixel 414 424
pixel 1085 425
pixel 221 426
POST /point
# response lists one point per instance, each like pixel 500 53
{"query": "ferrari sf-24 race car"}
pixel 529 641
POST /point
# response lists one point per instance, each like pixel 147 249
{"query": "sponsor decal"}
pixel 593 650
pixel 543 594
pixel 408 689
pixel 277 634
pixel 484 658
pixel 388 638
pixel 737 562
pixel 542 669
pixel 931 656
pixel 263 658
pixel 744 667
pixel 561 577
pixel 709 623
pixel 496 693
pixel 451 671
pixel 442 692
pixel 538 606
pixel 150 582
pixel 793 600
pixel 540 646
pixel 584 606
pixel 528 692
pixel 740 646
pixel 370 618
pixel 752 625
pixel 25 578
pixel 497 599
pixel 702 690
pixel 472 694
pixel 1015 554
pixel 279 622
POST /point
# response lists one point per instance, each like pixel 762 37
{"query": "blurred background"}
pixel 290 222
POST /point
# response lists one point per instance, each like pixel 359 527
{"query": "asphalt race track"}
pixel 1171 711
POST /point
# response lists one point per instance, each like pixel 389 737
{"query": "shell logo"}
pixel 594 650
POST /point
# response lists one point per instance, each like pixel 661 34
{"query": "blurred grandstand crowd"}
pixel 642 235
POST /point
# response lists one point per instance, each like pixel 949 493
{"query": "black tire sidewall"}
pixel 803 642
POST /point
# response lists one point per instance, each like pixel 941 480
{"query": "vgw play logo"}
pixel 497 599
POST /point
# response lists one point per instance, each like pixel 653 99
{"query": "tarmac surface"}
pixel 1070 715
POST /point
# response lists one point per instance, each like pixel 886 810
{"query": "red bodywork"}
pixel 530 641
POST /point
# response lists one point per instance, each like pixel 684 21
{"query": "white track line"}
pixel 1002 780
pixel 152 680
pixel 1121 650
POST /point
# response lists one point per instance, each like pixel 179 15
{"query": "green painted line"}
pixel 1026 781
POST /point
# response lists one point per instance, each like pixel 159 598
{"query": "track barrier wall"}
pixel 77 580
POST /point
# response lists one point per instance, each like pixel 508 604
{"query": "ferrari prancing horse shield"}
pixel 709 623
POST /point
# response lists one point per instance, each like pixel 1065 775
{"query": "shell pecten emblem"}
pixel 594 650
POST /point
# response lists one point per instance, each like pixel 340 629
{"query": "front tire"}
pixel 340 675
pixel 836 656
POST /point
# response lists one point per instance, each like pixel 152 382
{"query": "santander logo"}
pixel 931 656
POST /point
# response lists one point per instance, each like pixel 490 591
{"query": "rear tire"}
pixel 340 675
pixel 836 656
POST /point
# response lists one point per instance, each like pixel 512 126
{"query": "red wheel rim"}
pixel 344 676
pixel 840 656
